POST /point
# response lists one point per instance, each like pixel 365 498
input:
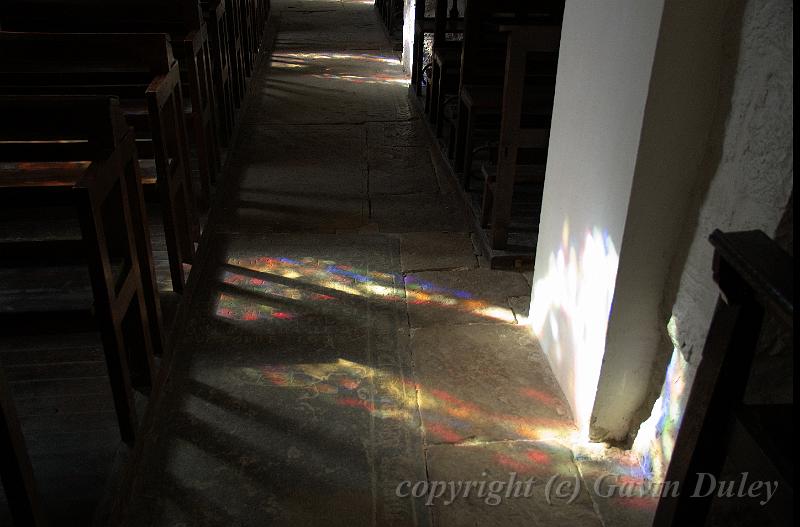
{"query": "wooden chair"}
pixel 181 19
pixel 140 69
pixel 755 277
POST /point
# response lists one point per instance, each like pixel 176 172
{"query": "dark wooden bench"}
pixel 484 69
pixel 756 280
pixel 445 59
pixel 79 152
pixel 245 31
pixel 425 25
pixel 181 19
pixel 521 128
pixel 217 19
pixel 388 10
pixel 257 21
pixel 235 29
pixel 76 152
pixel 237 48
pixel 141 71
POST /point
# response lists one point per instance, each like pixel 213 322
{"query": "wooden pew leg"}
pixel 502 196
pixel 469 145
pixel 486 203
pixel 109 321
pixel 439 117
pixel 141 234
pixel 210 110
pixel 183 184
pixel 175 249
pixel 204 157
pixel 416 68
pixel 461 130
pixel 201 121
pixel 434 98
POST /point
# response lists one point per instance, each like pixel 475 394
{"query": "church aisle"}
pixel 345 341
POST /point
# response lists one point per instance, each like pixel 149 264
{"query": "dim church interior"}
pixel 383 262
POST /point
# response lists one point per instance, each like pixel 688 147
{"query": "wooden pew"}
pixel 425 25
pixel 384 8
pixel 483 69
pixel 237 50
pixel 181 19
pixel 755 277
pixel 262 16
pixel 79 152
pixel 83 157
pixel 518 130
pixel 140 69
pixel 245 30
pixel 445 58
pixel 217 19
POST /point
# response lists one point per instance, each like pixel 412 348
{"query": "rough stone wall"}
pixel 747 184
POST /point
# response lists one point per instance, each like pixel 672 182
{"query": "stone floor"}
pixel 345 341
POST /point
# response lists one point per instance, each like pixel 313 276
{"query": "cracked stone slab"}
pixel 401 170
pixel 406 133
pixel 330 29
pixel 291 211
pixel 416 213
pixel 316 159
pixel 462 297
pixel 486 383
pixel 435 251
pixel 532 466
pixel 305 86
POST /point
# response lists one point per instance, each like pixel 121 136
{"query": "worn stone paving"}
pixel 345 341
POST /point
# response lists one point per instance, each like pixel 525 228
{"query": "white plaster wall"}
pixel 606 56
pixel 408 34
pixel 750 166
pixel 682 99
